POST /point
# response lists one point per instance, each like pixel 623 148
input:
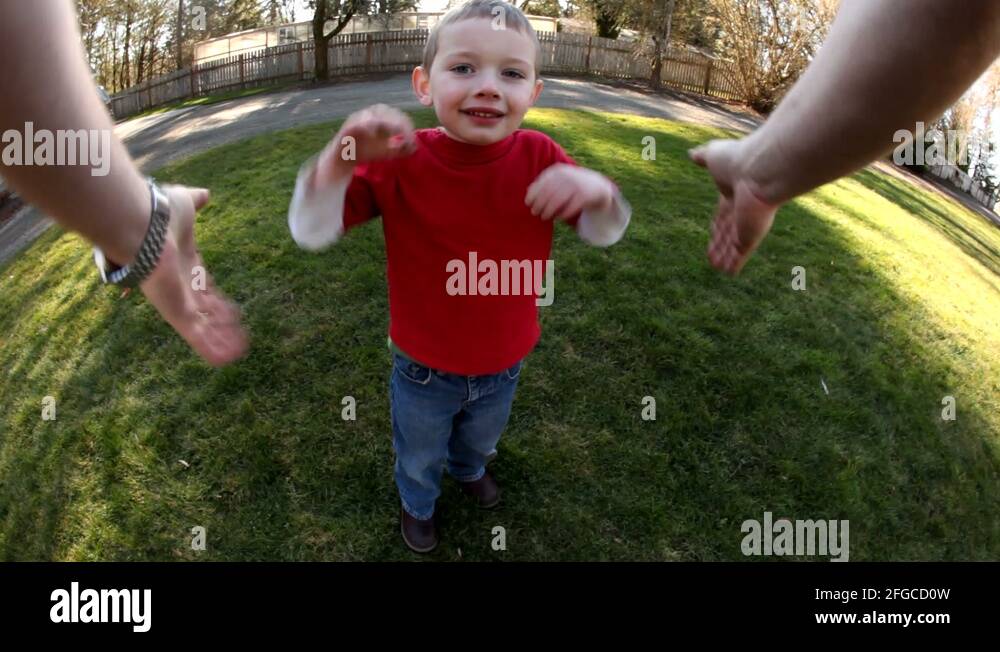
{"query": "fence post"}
pixel 242 79
pixel 368 51
pixel 302 67
pixel 708 76
pixel 590 41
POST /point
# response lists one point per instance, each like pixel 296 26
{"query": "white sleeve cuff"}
pixel 604 228
pixel 316 215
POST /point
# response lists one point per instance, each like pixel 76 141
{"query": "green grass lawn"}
pixel 902 308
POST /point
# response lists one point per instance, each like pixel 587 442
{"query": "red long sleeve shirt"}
pixel 439 205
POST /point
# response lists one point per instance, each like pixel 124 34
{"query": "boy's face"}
pixel 479 67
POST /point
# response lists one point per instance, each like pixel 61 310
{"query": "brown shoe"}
pixel 419 536
pixel 485 490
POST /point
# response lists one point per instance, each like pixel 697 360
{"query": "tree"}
pixel 179 34
pixel 654 19
pixel 984 155
pixel 548 8
pixel 153 19
pixel 340 12
pixel 771 42
pixel 278 11
pixel 343 12
pixel 661 21
pixel 130 9
pixel 695 23
pixel 90 14
pixel 956 126
pixel 243 15
pixel 127 41
pixel 609 16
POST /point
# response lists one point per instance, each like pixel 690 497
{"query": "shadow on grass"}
pixel 743 425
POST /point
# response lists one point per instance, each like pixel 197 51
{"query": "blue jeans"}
pixel 444 420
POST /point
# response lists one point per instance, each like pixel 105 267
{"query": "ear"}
pixel 422 86
pixel 535 93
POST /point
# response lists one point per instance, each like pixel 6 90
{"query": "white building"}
pixel 253 40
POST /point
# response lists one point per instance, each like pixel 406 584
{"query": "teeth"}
pixel 482 115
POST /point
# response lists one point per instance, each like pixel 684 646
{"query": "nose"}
pixel 488 88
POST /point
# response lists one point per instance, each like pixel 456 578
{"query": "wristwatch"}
pixel 149 252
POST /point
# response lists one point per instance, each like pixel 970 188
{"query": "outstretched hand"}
pixel 742 219
pixel 205 318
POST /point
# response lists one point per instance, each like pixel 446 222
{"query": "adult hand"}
pixel 742 218
pixel 204 317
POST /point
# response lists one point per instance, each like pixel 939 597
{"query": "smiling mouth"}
pixel 483 114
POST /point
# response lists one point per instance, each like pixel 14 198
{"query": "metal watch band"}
pixel 133 274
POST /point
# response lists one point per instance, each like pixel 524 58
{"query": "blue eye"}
pixel 455 69
pixel 517 73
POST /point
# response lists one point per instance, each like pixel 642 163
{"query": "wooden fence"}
pixel 402 50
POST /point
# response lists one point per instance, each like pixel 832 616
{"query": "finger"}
pixel 698 155
pixel 215 335
pixel 541 199
pixel 715 253
pixel 721 234
pixel 401 145
pixel 715 241
pixel 218 307
pixel 730 243
pixel 557 203
pixel 538 185
pixel 210 299
pixel 717 222
pixel 545 188
pixel 219 344
pixel 230 339
pixel 402 122
pixel 376 128
pixel 722 253
pixel 353 125
pixel 391 133
pixel 529 196
pixel 390 121
pixel 737 265
pixel 571 209
pixel 734 258
pixel 535 196
pixel 408 127
pixel 556 198
pixel 408 132
pixel 199 196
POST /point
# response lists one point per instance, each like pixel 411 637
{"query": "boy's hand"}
pixel 742 219
pixel 562 190
pixel 375 133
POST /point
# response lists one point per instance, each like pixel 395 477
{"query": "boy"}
pixel 476 188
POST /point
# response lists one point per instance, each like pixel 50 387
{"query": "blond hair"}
pixel 511 16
